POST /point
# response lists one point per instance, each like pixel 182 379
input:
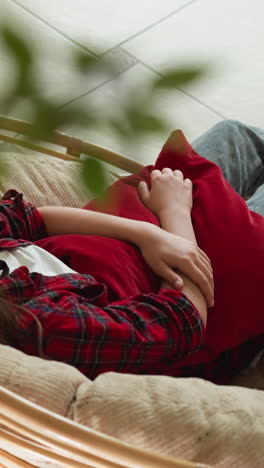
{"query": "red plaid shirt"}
pixel 146 334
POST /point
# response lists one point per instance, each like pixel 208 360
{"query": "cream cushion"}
pixel 186 418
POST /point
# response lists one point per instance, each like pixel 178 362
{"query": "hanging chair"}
pixel 36 430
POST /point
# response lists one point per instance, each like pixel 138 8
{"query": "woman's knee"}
pixel 218 137
pixel 229 127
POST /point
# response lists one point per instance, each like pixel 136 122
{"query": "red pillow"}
pixel 233 238
pixel 230 234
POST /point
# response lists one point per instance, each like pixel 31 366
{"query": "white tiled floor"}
pixel 179 110
pixel 102 24
pixel 229 35
pixel 147 35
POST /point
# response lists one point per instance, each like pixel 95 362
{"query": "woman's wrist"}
pixel 144 232
pixel 178 221
pixel 174 211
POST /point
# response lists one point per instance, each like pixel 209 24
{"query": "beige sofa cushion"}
pixel 186 418
pixel 48 383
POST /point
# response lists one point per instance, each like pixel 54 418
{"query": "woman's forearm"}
pixel 180 223
pixel 64 220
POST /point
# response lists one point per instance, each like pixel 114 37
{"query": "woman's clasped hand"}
pixel 170 197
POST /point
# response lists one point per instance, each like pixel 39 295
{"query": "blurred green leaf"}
pixel 84 61
pixel 45 120
pixel 87 64
pixel 136 121
pixel 175 78
pixel 49 116
pixel 144 122
pixel 93 176
pixel 25 86
pixel 18 46
pixel 121 127
pixel 23 57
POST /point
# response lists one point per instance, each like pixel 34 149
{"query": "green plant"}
pixel 134 116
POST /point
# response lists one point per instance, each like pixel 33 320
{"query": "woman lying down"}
pixel 168 281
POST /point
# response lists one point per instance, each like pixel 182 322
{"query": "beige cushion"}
pixel 48 383
pixel 44 180
pixel 186 418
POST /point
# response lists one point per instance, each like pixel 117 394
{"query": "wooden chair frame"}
pixel 74 146
pixel 39 431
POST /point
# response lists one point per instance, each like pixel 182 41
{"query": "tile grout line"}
pixel 157 73
pixel 125 51
pixel 179 89
pixel 58 31
pixel 203 104
pixel 69 39
pixel 95 88
pixel 53 27
pixel 147 28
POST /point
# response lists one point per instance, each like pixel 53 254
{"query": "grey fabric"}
pixel 239 151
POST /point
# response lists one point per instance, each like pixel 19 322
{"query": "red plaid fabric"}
pixel 20 222
pixel 145 334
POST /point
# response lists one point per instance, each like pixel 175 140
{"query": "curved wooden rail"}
pixel 74 146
